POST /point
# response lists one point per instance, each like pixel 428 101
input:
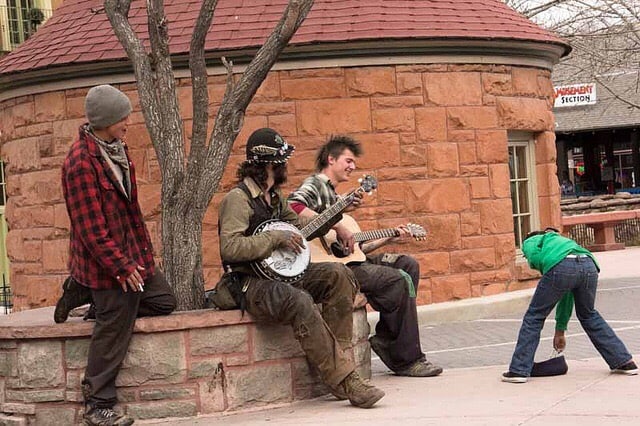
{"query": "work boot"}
pixel 105 417
pixel 73 295
pixel 338 392
pixel 360 393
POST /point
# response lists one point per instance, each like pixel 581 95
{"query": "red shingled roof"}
pixel 79 31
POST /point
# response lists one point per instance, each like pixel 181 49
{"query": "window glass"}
pixel 522 184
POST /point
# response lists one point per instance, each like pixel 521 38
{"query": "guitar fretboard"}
pixel 375 234
pixel 320 220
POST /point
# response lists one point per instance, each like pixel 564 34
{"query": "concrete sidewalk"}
pixel 587 395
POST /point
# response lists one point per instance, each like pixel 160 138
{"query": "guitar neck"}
pixel 320 220
pixel 375 234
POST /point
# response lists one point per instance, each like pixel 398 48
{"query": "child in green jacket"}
pixel 566 267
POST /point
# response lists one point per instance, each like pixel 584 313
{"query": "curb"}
pixel 515 302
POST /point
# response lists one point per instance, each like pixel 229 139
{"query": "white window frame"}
pixel 526 140
pixel 5 25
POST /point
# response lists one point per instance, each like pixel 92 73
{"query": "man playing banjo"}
pixel 325 338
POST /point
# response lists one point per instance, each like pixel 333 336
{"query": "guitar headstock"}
pixel 367 184
pixel 417 231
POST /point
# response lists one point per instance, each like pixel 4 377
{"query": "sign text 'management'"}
pixel 574 95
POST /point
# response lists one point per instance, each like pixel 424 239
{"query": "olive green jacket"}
pixel 234 215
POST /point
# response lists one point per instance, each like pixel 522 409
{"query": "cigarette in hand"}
pixel 140 287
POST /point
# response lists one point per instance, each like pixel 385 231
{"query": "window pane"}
pixel 522 162
pixel 512 169
pixel 520 179
pixel 525 223
pixel 516 231
pixel 514 197
pixel 523 195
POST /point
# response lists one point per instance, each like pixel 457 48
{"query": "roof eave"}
pixel 484 51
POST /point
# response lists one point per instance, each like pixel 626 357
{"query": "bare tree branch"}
pixel 237 97
pixel 118 14
pixel 200 93
pixel 171 129
pixel 187 189
pixel 604 34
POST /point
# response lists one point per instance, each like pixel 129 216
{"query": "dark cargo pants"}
pixel 325 338
pixel 116 313
pixel 387 291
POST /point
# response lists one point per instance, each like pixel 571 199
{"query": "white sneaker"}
pixel 629 369
pixel 513 377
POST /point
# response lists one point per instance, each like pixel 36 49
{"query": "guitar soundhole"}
pixel 338 250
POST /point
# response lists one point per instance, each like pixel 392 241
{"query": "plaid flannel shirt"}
pixel 108 237
pixel 316 192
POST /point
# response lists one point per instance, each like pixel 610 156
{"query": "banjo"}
pixel 288 266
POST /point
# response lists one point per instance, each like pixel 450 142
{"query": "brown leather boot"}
pixel 360 393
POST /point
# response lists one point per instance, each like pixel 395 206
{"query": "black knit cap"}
pixel 267 146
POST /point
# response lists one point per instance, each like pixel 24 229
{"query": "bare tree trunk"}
pixel 182 239
pixel 188 184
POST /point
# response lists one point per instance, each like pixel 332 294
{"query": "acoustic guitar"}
pixel 288 266
pixel 328 249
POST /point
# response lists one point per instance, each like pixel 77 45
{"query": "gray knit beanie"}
pixel 105 105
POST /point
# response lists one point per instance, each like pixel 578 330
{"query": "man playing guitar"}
pixel 325 338
pixel 388 280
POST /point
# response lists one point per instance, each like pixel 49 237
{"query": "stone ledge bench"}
pixel 181 365
pixel 603 227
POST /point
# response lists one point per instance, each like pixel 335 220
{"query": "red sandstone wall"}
pixel 434 135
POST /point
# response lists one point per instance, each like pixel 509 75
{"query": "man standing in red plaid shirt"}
pixel 110 256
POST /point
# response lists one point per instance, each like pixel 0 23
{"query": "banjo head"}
pixel 282 265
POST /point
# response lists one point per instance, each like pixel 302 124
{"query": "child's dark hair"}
pixel 534 233
pixel 334 147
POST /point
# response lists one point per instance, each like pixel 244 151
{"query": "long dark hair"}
pixel 258 172
pixel 334 147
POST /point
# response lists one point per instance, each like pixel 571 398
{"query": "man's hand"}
pixel 289 240
pixel 345 238
pixel 405 235
pixel 134 281
pixel 357 202
pixel 559 341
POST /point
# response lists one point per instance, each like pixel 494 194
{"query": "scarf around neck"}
pixel 114 149
pixel 116 155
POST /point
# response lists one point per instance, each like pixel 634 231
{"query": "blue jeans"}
pixel 580 276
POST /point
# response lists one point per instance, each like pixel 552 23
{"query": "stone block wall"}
pixel 182 365
pixel 434 135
